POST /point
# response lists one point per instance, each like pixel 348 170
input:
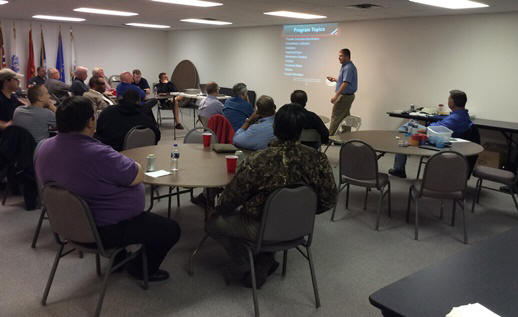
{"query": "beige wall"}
pixel 400 62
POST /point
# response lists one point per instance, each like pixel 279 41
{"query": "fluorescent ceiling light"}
pixel 55 18
pixel 194 3
pixel 295 15
pixel 152 26
pixel 452 4
pixel 204 21
pixel 106 12
pixel 3 2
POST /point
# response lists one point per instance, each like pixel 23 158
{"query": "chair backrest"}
pixel 289 214
pixel 139 136
pixel 114 80
pixel 351 121
pixel 445 172
pixel 226 91
pixel 220 125
pixel 69 216
pixel 195 136
pixel 310 136
pixel 358 160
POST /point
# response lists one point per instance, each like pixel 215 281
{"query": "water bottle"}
pixel 175 156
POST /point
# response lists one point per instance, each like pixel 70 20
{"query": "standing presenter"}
pixel 346 86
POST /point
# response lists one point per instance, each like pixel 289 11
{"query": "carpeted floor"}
pixel 352 260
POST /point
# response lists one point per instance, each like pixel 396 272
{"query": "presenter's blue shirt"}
pixel 123 87
pixel 257 136
pixel 458 121
pixel 236 111
pixel 348 73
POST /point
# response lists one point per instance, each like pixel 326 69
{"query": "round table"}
pixel 198 167
pixel 324 119
pixel 387 142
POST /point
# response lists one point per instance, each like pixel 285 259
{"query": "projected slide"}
pixel 302 43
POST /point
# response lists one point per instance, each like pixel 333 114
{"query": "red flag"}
pixel 31 69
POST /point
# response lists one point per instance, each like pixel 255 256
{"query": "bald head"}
pixel 126 77
pixel 54 73
pixel 81 72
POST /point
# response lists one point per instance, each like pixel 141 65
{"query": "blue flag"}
pixel 60 63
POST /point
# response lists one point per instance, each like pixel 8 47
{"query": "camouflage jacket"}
pixel 281 164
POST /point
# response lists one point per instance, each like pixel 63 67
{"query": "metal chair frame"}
pixel 478 188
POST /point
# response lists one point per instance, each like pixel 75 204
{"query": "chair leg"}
pixel 416 228
pixel 464 222
pixel 441 215
pixel 479 189
pixel 145 272
pixel 313 277
pixel 38 227
pixel 347 196
pixel 284 262
pixel 98 264
pixel 365 200
pixel 453 213
pixel 334 209
pixel 178 197
pixel 514 199
pixel 169 202
pixel 380 202
pixel 477 193
pixel 52 273
pixel 191 259
pixel 408 204
pixel 419 168
pixel 254 283
pixel 192 193
pixel 105 284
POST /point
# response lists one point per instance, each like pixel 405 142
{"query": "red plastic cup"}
pixel 231 163
pixel 206 139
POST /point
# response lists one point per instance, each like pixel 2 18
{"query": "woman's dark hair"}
pixel 73 114
pixel 289 122
pixel 299 97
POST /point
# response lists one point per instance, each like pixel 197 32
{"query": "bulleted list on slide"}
pixel 301 43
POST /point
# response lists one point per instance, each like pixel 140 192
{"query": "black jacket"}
pixel 313 121
pixel 115 121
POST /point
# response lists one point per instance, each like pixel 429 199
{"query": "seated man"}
pixel 237 109
pixel 115 121
pixel 285 162
pixel 141 81
pixel 9 84
pixel 257 131
pixel 109 182
pixel 127 84
pixel 56 87
pixel 40 77
pixel 79 87
pixel 38 116
pixel 99 72
pixel 165 88
pixel 458 121
pixel 313 121
pixel 96 93
pixel 211 105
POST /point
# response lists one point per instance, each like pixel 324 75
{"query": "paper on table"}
pixel 471 310
pixel 159 173
pixel 458 140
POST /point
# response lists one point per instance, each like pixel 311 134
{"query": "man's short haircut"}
pixel 289 122
pixel 39 68
pixel 239 89
pixel 265 106
pixel 299 97
pixel 73 114
pixel 211 87
pixel 346 52
pixel 459 98
pixel 131 96
pixel 94 81
pixel 160 76
pixel 137 72
pixel 34 93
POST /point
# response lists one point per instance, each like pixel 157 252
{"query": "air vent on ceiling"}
pixel 364 6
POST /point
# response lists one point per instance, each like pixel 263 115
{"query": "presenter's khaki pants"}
pixel 341 109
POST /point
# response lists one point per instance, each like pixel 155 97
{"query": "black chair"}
pixel 72 224
pixel 311 138
pixel 287 223
pixel 359 167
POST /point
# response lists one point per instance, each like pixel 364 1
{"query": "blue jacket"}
pixel 458 121
pixel 236 111
pixel 123 87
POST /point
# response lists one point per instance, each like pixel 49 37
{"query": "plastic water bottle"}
pixel 175 156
